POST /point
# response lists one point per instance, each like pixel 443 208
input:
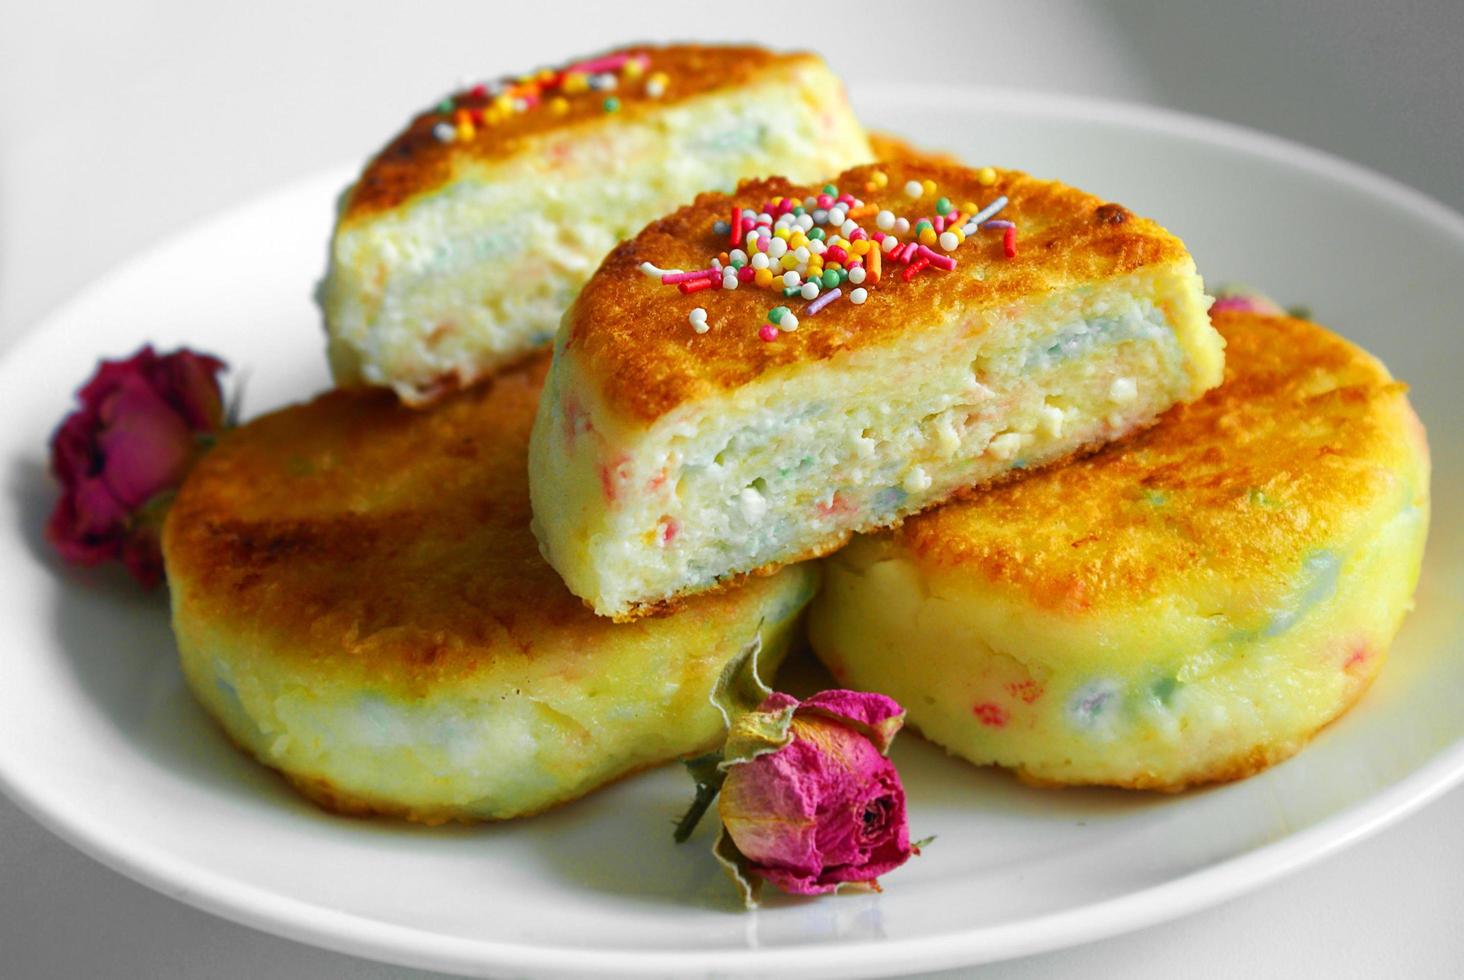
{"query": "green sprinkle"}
pixel 943 206
pixel 830 189
pixel 738 263
pixel 830 278
pixel 775 315
pixel 612 104
pixel 798 211
pixel 790 291
pixel 446 106
pixel 922 223
pixel 843 274
pixel 815 234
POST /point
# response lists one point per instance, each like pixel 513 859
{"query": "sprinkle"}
pixel 986 176
pixel 913 189
pixel 858 296
pixel 948 241
pixel 876 264
pixel 558 105
pixel 928 186
pixel 914 268
pixel 1009 242
pixel 735 226
pixel 830 279
pixel 695 285
pixel 446 106
pixel 612 104
pixel 943 262
pixel 657 273
pixel 669 278
pixel 857 275
pixel 788 323
pixel 444 132
pixel 698 320
pixel 943 206
pixel 823 301
pixel 768 333
pixel 729 279
pixel 720 227
pixel 656 84
pixel 990 211
pixel 776 314
pixel 998 223
pixel 810 290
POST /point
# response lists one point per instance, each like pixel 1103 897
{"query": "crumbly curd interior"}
pixel 522 735
pixel 1189 688
pixel 458 282
pixel 788 467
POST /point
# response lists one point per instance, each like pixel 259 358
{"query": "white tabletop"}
pixel 121 124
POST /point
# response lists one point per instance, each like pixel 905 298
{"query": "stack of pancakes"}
pixel 490 573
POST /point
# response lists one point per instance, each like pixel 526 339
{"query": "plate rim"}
pixel 302 921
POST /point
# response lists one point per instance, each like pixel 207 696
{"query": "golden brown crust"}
pixel 416 161
pixel 631 331
pixel 379 544
pixel 1300 441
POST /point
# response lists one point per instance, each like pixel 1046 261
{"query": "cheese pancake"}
pixel 461 244
pixel 358 600
pixel 1184 607
pixel 910 331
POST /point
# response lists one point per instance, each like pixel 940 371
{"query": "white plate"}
pixel 100 740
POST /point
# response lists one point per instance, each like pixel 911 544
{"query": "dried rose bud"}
pixel 827 808
pixel 1243 299
pixel 142 423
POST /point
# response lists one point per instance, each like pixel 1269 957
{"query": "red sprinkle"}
pixel 746 274
pixel 478 91
pixel 695 285
pixel 1009 242
pixel 768 333
pixel 736 225
pixel 914 268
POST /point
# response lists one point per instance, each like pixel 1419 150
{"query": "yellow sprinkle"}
pixel 969 208
pixel 558 106
pixel 763 277
pixel 546 74
pixel 986 176
pixel 928 237
pixel 960 235
pixel 782 233
pixel 879 178
pixel 797 240
pixel 789 261
pixel 576 82
pixel 834 265
pixel 633 68
pixel 660 78
pixel 503 103
pixel 860 247
pixel 465 130
pixel 928 185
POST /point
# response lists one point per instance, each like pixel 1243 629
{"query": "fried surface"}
pixel 632 330
pixel 416 162
pixel 1296 446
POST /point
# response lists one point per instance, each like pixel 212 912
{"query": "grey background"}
pixel 122 123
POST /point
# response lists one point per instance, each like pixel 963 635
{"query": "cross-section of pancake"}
pixel 908 332
pixel 464 240
pixel 1187 606
pixel 358 600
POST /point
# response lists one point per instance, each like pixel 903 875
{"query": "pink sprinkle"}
pixel 943 262
pixel 612 62
pixel 746 273
pixel 877 236
pixel 822 301
pixel 824 201
pixel 736 226
pixel 953 219
pixel 845 198
pixel 907 252
pixel 762 242
pixel 858 235
pixel 835 254
pixel 938 223
pixel 768 333
pixel 671 278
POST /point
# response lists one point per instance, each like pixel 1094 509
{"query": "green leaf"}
pixel 708 775
pixel 739 689
pixel 737 868
pixel 756 733
pixel 922 843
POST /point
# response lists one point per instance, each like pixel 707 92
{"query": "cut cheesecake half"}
pixel 907 333
pixel 458 249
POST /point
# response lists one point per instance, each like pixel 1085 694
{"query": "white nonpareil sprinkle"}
pixel 836 216
pixel 698 320
pixel 885 220
pixel 655 88
pixel 444 132
pixel 949 241
pixel 777 248
pixel 847 228
pixel 792 278
pixel 856 275
pixel 760 260
pixel 913 189
pixel 810 290
pixel 738 255
pixel 788 323
pixel 902 226
pixel 858 296
pixel 889 244
pixel 729 279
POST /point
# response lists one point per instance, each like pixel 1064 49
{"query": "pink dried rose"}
pixel 142 424
pixel 809 800
pixel 1243 299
